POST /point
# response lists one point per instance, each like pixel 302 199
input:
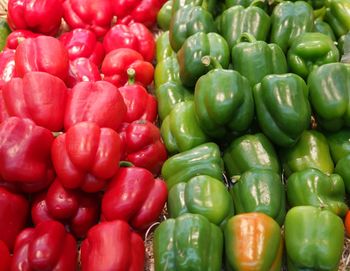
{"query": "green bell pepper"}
pixel 249 152
pixel 344 44
pixel 245 3
pixel 204 159
pixel 260 190
pixel 329 88
pixel 164 15
pixel 163 47
pixel 314 239
pixel 338 16
pixel 313 187
pixel 310 50
pixel 191 53
pixel 209 5
pixel 180 129
pixel 339 144
pixel 323 27
pixel 342 168
pixel 282 107
pixel 202 195
pixel 311 151
pixel 189 242
pixel 166 70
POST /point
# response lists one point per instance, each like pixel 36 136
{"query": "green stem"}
pixel 245 36
pixel 320 13
pixel 211 62
pixel 125 164
pixel 131 76
pixel 258 3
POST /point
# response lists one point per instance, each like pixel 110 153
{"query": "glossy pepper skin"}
pixel 253 242
pixel 342 168
pixel 164 15
pixel 314 239
pixel 323 27
pixel 204 159
pixel 202 195
pixel 82 69
pixel 112 246
pixel 313 187
pixel 210 5
pixel 260 190
pixel 38 16
pixel 189 242
pixel 191 53
pixel 30 165
pixel 282 107
pixel 329 91
pixel 18 36
pixel 180 129
pixel 167 70
pixel 7 66
pixel 5 257
pixel 311 151
pixel 163 47
pixel 338 16
pixel 86 156
pixel 99 102
pixel 288 21
pixel 339 144
pixel 310 50
pixel 248 152
pixel 46 247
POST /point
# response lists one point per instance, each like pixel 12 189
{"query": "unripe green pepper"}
pixel 163 47
pixel 164 15
pixel 344 44
pixel 343 169
pixel 209 5
pixel 338 16
pixel 323 27
pixel 339 144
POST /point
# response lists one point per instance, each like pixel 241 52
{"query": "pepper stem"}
pixel 211 62
pixel 125 164
pixel 319 13
pixel 245 36
pixel 131 76
pixel 258 3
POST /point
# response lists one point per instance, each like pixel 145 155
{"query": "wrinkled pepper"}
pixel 338 16
pixel 82 69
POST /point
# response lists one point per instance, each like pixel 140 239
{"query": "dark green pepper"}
pixel 338 16
pixel 163 47
pixel 323 27
pixel 209 5
pixel 164 15
pixel 245 3
pixel 343 169
pixel 339 144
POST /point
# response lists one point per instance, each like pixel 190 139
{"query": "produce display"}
pixel 174 135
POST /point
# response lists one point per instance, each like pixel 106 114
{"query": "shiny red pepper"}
pixel 5 257
pixel 134 196
pixel 3 111
pixel 112 246
pixel 86 156
pixel 41 16
pixel 135 36
pixel 18 36
pixel 7 66
pixel 82 70
pixel 46 247
pixel 100 102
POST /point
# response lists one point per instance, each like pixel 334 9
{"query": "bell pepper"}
pixel 339 144
pixel 202 195
pixel 282 107
pixel 25 154
pixel 344 44
pixel 43 53
pixel 329 95
pixel 204 159
pixel 311 151
pixel 38 16
pixel 143 146
pixel 187 21
pixel 253 241
pixel 117 62
pixel 313 187
pixel 7 66
pixel 180 129
pixel 210 5
pixel 314 239
pixel 260 190
pixel 191 53
pixel 112 246
pixel 189 242
pixel 166 70
pixel 245 3
pixel 3 111
pixel 86 156
pixel 18 36
pixel 163 47
pixel 134 196
pixel 338 16
pixel 347 223
pixel 46 247
pixel 254 59
pixel 82 70
pixel 5 257
pixel 248 152
pixel 342 168
pixel 89 14
pixel 310 50
pixel 100 102
pixel 323 27
pixel 164 15
pixel 14 211
pixel 237 20
pixel 39 96
pixel 83 43
pixel 231 106
pixel 288 21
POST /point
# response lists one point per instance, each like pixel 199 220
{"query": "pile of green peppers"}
pixel 254 109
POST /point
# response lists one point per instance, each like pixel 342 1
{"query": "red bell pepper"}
pixel 112 246
pixel 46 247
pixel 142 11
pixel 39 96
pixel 43 53
pixel 14 211
pixel 134 196
pixel 18 36
pixel 86 156
pixel 95 15
pixel 83 43
pixel 41 16
pixel 3 111
pixel 5 257
pixel 143 146
pixel 117 62
pixel 99 102
pixel 25 154
pixel 135 36
pixel 82 69
pixel 7 66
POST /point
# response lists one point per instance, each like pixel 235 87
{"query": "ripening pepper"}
pixel 339 144
pixel 314 239
pixel 112 246
pixel 82 69
pixel 163 47
pixel 204 159
pixel 253 242
pixel 260 190
pixel 282 107
pixel 164 15
pixel 7 66
pixel 18 36
pixel 338 16
pixel 189 242
pixel 5 257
